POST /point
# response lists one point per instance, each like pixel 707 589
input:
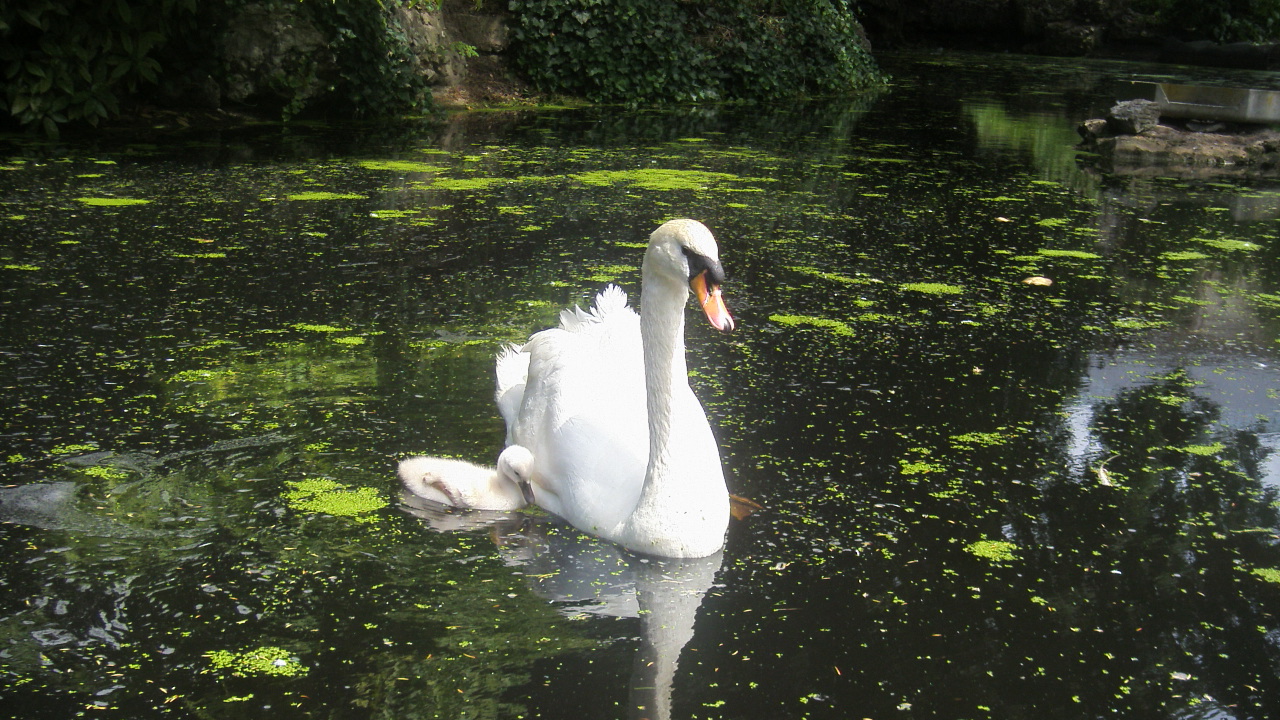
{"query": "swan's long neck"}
pixel 662 334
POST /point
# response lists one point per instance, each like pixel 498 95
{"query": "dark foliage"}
pixel 672 51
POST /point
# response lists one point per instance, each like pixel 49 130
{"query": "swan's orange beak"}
pixel 711 302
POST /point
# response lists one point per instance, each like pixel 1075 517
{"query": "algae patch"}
pixel 267 660
pixel 835 326
pixel 1202 450
pixel 655 178
pixel 1183 255
pixel 400 166
pixel 933 288
pixel 985 439
pixel 463 184
pixel 834 277
pixel 320 195
pixel 608 273
pixel 919 467
pixel 993 550
pixel 1075 254
pixel 328 497
pixel 1229 244
pixel 319 328
pixel 111 201
pixel 1271 575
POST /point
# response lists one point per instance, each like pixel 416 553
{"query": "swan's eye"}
pixel 699 262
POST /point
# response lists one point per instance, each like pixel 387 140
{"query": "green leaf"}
pixel 32 19
pixel 119 70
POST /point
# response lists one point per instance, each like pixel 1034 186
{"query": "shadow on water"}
pixel 1012 419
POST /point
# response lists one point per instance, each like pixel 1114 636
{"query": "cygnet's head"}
pixel 515 465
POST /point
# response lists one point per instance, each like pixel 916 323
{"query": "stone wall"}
pixel 276 56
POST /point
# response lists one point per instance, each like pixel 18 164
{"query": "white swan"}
pixel 620 446
pixel 466 485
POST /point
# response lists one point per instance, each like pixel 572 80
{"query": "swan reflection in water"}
pixel 586 574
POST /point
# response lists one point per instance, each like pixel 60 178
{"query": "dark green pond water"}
pixel 983 498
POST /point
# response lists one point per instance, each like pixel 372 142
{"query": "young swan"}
pixel 462 484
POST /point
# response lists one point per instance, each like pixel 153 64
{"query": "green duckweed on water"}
pixel 1183 255
pixel 834 277
pixel 464 184
pixel 919 467
pixel 993 550
pixel 1271 575
pixel 310 327
pixel 103 472
pixel 835 326
pixel 932 288
pixel 323 195
pixel 401 166
pixel 1076 254
pixel 393 214
pixel 329 497
pixel 72 448
pixel 111 201
pixel 607 273
pixel 661 179
pixel 266 660
pixel 1202 450
pixel 1135 324
pixel 985 439
pixel 1229 244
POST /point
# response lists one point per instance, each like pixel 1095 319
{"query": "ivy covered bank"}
pixel 78 62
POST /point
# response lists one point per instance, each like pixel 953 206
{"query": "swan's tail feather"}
pixel 609 302
pixel 612 299
pixel 574 318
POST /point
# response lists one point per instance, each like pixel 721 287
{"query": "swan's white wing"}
pixel 609 317
pixel 511 371
pixel 583 413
